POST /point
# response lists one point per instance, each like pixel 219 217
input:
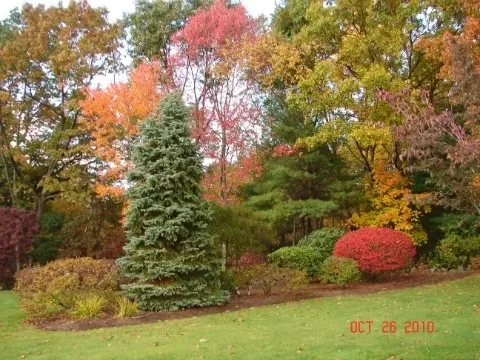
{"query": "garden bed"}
pixel 254 300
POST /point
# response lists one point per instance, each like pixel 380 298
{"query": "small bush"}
pixel 303 258
pixel 267 277
pixel 376 250
pixel 341 271
pixel 59 285
pixel 126 308
pixel 323 241
pixel 89 307
pixel 454 251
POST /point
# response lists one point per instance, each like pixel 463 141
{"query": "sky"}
pixel 118 7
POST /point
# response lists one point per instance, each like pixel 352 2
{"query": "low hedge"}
pixel 304 258
pixel 59 286
pixel 454 251
pixel 267 277
pixel 323 240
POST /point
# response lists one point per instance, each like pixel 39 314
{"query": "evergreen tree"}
pixel 169 255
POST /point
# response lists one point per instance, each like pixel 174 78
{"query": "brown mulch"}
pixel 255 300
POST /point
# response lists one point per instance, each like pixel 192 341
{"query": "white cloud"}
pixel 118 7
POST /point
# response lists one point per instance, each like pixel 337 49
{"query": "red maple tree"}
pixel 16 235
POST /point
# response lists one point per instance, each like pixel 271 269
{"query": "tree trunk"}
pixel 40 200
pixel 294 232
pixel 224 256
pixel 223 168
pixel 17 256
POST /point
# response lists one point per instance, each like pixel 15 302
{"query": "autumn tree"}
pixel 113 116
pixel 16 234
pixel 329 59
pixel 170 257
pixel 91 228
pixel 210 74
pixel 448 151
pixel 444 143
pixel 49 57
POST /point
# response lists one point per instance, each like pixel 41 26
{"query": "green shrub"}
pixel 304 258
pixel 455 250
pixel 126 308
pixel 267 277
pixel 341 271
pixel 323 241
pixel 89 307
pixel 59 285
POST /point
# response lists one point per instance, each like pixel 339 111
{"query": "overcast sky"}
pixel 118 7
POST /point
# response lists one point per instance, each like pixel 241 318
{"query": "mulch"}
pixel 313 291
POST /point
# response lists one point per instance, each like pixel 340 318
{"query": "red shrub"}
pixel 376 250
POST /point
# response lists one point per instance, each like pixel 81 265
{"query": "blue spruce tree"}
pixel 170 258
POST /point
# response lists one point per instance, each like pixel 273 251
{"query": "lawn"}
pixel 313 329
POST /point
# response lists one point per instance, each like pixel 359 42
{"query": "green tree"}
pixel 47 57
pixel 169 255
pixel 240 230
pixel 153 23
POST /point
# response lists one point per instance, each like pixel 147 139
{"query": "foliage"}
pixel 240 230
pixel 267 277
pixel 238 173
pixel 170 258
pixel 303 258
pixel 113 115
pixel 53 53
pixel 323 240
pixel 47 243
pixel 45 248
pixel 376 250
pixel 209 72
pixel 92 228
pixel 460 244
pixel 301 190
pixel 201 60
pixel 152 25
pixel 16 234
pixel 126 308
pixel 392 204
pixel 57 286
pixel 438 144
pixel 443 142
pixel 227 280
pixel 341 271
pixel 89 307
pixel 341 67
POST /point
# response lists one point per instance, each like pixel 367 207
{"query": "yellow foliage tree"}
pixel 392 204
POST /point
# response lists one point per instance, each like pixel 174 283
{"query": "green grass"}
pixel 314 329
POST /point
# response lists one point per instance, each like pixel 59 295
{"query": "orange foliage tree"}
pixel 113 115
